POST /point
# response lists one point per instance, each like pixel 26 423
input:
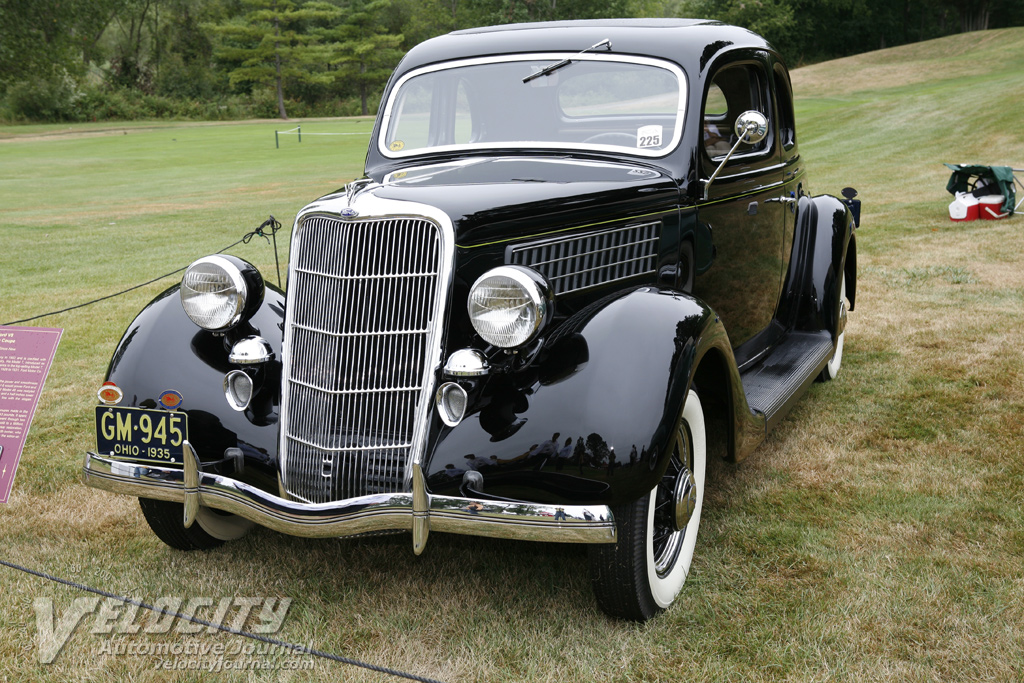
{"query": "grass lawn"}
pixel 876 535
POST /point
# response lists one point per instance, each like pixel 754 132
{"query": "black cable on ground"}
pixel 258 232
pixel 299 649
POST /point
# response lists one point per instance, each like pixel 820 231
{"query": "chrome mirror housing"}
pixel 751 128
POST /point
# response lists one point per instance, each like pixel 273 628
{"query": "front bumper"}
pixel 418 511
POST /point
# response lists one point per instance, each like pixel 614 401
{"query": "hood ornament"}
pixel 355 187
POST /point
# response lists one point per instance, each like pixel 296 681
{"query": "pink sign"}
pixel 25 357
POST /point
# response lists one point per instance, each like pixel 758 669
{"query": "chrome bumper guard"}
pixel 418 511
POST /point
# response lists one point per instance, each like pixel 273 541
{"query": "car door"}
pixel 741 221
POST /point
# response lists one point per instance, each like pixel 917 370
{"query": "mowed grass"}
pixel 876 535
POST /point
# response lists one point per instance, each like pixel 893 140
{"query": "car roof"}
pixel 688 42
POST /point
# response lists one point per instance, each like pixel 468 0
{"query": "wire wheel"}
pixel 642 573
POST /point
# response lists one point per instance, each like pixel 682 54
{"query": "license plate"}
pixel 141 435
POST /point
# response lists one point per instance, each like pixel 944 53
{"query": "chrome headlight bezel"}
pixel 534 303
pixel 240 292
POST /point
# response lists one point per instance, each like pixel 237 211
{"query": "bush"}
pixel 60 100
pixel 98 104
pixel 43 99
pixel 183 81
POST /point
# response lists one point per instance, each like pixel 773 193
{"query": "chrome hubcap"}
pixel 685 497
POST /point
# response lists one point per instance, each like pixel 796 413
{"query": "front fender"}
pixel 162 350
pixel 591 421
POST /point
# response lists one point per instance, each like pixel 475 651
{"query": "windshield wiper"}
pixel 565 62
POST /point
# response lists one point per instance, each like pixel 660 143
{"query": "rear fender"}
pixel 591 421
pixel 824 248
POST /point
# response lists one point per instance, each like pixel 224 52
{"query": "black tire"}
pixel 210 530
pixel 640 575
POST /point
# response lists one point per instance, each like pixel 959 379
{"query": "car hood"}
pixel 495 199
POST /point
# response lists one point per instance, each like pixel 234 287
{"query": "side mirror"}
pixel 751 128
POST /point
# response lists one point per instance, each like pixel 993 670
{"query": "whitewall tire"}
pixel 642 573
pixel 831 370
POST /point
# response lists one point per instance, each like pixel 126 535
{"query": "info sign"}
pixel 25 357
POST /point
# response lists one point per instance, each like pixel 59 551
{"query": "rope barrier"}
pixel 298 649
pixel 297 130
pixel 271 223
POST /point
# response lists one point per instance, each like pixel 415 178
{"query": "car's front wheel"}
pixel 210 529
pixel 642 572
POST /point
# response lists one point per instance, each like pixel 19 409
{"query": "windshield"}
pixel 596 102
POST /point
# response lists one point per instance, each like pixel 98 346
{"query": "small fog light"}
pixel 238 390
pixel 451 403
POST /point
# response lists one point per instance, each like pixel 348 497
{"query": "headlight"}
pixel 218 292
pixel 509 305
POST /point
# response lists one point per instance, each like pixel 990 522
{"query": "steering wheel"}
pixel 612 138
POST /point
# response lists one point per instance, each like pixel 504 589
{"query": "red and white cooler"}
pixel 965 207
pixel 991 207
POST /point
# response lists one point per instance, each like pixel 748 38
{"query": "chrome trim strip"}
pixel 675 70
pixel 379 512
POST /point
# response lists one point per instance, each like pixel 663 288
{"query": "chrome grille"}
pixel 361 300
pixel 571 264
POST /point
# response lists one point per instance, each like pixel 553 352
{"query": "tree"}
pixel 130 67
pixel 185 53
pixel 516 11
pixel 363 52
pixel 268 45
pixel 48 39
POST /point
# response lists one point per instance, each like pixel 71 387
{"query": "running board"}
pixel 774 385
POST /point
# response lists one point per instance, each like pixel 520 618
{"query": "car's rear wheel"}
pixel 831 369
pixel 210 529
pixel 642 572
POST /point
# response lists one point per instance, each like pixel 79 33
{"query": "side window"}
pixel 733 90
pixel 784 96
pixel 716 130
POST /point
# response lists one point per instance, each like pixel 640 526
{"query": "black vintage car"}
pixel 575 243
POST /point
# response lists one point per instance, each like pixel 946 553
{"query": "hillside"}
pixel 885 121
